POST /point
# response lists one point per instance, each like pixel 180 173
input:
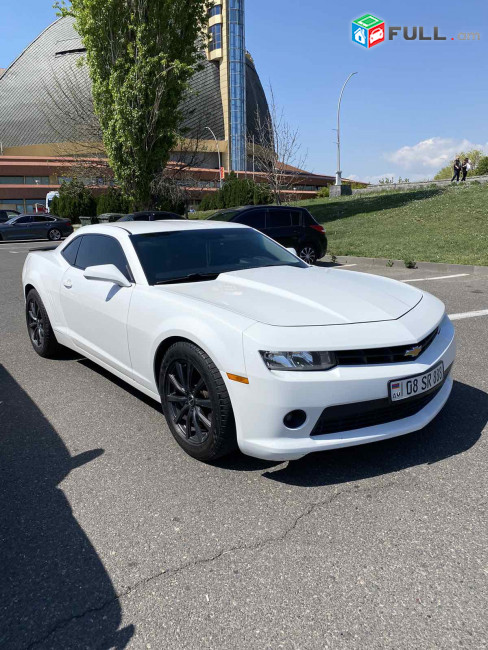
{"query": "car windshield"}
pixel 194 255
pixel 224 216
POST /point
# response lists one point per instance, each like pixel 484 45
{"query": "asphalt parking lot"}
pixel 111 537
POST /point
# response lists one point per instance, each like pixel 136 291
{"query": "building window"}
pixel 215 37
pixel 37 180
pixel 216 10
pixel 11 180
pixel 12 204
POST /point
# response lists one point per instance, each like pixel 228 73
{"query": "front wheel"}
pixel 196 403
pixel 54 234
pixel 308 253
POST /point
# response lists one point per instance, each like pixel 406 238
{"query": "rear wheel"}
pixel 308 253
pixel 39 326
pixel 54 234
pixel 196 403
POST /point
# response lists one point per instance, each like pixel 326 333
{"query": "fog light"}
pixel 294 419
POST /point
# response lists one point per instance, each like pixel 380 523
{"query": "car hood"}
pixel 291 297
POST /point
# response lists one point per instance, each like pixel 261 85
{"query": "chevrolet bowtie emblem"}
pixel 414 352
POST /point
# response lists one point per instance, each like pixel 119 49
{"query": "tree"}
pixel 474 156
pixel 141 55
pixel 278 154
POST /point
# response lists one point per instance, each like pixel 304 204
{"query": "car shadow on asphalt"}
pixel 54 590
pixel 455 430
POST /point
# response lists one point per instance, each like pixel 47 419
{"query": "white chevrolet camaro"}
pixel 243 343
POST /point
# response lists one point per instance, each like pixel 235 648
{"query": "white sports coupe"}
pixel 243 343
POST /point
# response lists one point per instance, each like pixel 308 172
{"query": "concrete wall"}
pixel 414 186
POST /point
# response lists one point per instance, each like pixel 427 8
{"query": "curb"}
pixel 438 267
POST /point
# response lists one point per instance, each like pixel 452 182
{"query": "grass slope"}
pixel 432 225
pixel 429 225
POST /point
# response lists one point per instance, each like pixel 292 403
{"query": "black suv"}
pixel 290 227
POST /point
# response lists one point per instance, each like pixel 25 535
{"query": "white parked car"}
pixel 243 343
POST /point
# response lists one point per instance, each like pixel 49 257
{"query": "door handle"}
pixel 68 284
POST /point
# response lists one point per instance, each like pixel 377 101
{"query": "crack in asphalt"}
pixel 311 507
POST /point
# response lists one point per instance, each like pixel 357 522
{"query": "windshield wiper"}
pixel 191 277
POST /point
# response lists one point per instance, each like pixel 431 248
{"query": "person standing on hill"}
pixel 466 166
pixel 457 170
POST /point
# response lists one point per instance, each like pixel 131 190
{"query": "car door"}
pixel 279 227
pixel 19 229
pixel 39 226
pixel 96 311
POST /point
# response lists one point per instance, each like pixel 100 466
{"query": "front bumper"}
pixel 260 407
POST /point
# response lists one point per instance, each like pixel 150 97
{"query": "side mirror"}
pixel 107 273
pixel 292 251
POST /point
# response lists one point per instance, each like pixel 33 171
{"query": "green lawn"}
pixel 429 225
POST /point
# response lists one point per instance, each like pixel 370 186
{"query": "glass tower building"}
pixel 237 84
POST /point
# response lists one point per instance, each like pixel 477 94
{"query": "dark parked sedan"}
pixel 151 216
pixel 5 215
pixel 35 226
pixel 290 227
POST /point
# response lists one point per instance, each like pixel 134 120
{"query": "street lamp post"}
pixel 218 153
pixel 339 172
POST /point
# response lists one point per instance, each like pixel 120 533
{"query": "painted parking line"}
pixel 469 314
pixel 440 277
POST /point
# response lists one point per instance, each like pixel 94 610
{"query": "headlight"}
pixel 299 360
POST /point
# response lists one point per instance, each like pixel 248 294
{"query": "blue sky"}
pixel 412 106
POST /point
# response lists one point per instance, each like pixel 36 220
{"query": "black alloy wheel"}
pixel 39 327
pixel 189 402
pixel 196 403
pixel 35 323
pixel 54 234
pixel 308 254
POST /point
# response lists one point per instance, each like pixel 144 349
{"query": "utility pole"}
pixel 218 153
pixel 339 172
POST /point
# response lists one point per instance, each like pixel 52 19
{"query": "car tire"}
pixel 39 327
pixel 196 403
pixel 308 253
pixel 54 234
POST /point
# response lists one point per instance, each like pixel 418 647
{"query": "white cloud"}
pixel 431 154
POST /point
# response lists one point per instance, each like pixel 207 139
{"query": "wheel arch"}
pixel 164 346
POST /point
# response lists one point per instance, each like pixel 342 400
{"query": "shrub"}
pixel 481 168
pixel 112 201
pixel 236 192
pixel 75 200
pixel 324 192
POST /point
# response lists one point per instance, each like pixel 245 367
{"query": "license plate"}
pixel 417 385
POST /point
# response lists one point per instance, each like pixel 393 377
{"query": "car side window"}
pixel 96 250
pixel 255 219
pixel 296 218
pixel 70 252
pixel 39 218
pixel 23 220
pixel 278 219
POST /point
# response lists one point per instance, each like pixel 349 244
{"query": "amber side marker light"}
pixel 240 380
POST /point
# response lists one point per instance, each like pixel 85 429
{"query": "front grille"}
pixel 394 354
pixel 358 415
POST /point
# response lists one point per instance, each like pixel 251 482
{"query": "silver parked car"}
pixel 35 226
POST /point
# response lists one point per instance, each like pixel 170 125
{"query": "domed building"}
pixel 46 111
